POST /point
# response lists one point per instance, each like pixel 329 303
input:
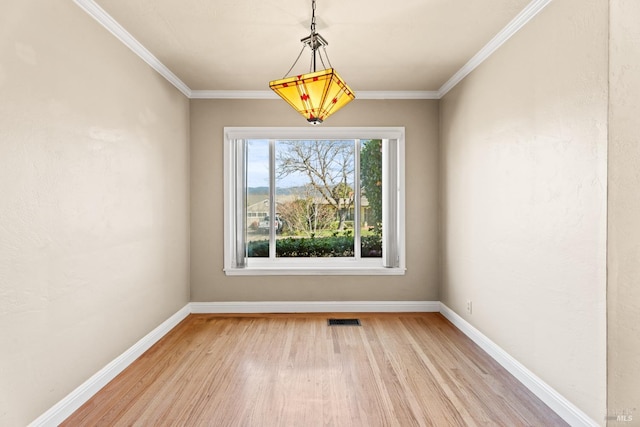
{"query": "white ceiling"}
pixel 375 45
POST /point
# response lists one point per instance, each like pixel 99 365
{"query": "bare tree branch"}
pixel 329 166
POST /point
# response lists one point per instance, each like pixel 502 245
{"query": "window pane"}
pixel 371 198
pixel 314 198
pixel 257 198
pixel 262 188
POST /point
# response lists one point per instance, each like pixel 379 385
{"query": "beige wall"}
pixel 94 213
pixel 624 213
pixel 94 200
pixel 208 281
pixel 523 143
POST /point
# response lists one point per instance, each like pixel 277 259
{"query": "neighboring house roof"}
pixel 261 204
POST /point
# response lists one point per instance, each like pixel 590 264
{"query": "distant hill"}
pixel 257 191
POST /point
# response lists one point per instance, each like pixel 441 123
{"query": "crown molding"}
pixel 100 15
pixel 267 94
pixel 233 94
pixel 398 94
pixel 505 34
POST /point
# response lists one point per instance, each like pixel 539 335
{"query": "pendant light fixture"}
pixel 317 94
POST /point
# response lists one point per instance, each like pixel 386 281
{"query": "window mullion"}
pixel 357 200
pixel 390 203
pixel 241 202
pixel 272 199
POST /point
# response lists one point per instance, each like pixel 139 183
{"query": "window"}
pixel 314 201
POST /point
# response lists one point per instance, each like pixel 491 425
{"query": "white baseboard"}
pixel 315 307
pixel 561 406
pixel 74 400
pixel 565 409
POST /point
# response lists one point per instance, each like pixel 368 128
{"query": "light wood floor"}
pixel 294 370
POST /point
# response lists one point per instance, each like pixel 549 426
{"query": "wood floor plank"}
pixel 408 369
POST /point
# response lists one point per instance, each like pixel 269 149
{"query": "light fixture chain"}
pixel 296 61
pixel 324 48
pixel 321 60
pixel 312 37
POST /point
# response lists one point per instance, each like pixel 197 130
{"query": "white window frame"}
pixel 233 201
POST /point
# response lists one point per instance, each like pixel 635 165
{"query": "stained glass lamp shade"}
pixel 315 95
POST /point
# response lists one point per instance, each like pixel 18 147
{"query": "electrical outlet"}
pixel 469 306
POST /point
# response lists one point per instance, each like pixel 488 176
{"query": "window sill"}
pixel 309 271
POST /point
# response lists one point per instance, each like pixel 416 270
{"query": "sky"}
pixel 258 163
pixel 258 167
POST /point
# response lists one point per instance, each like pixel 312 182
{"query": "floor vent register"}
pixel 343 322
